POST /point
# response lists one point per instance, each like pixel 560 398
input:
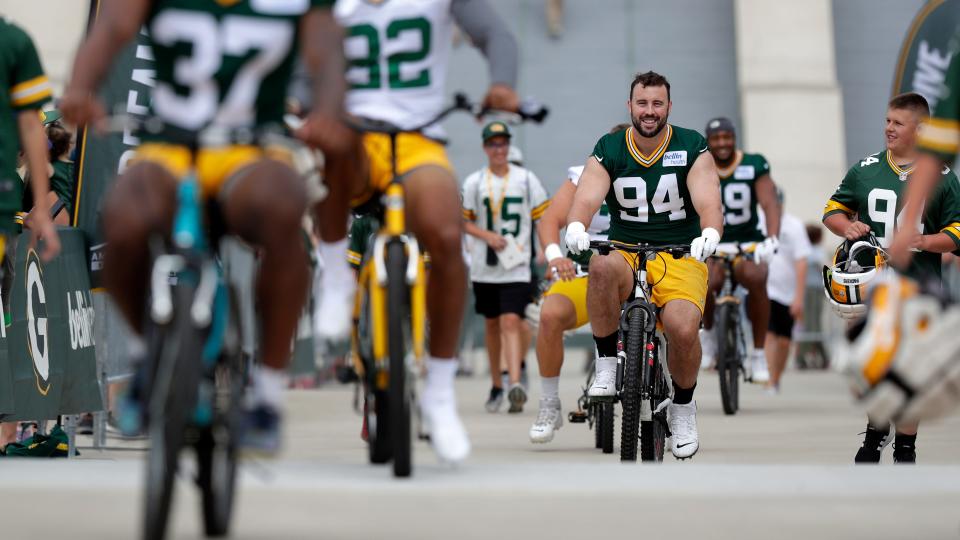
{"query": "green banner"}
pixel 50 341
pixel 126 91
pixel 6 376
pixel 926 51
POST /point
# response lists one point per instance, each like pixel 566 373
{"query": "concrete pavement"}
pixel 779 469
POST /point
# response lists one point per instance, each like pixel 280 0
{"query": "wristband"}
pixel 552 252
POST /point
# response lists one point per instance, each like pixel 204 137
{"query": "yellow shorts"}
pixel 674 279
pixel 576 291
pixel 413 151
pixel 214 166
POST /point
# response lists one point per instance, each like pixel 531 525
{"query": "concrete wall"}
pixel 585 76
pixel 790 100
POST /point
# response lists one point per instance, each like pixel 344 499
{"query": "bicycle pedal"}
pixel 423 437
pixel 577 417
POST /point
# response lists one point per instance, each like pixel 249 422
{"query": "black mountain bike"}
pixel 731 344
pixel 643 380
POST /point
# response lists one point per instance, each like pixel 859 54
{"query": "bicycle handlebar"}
pixel 606 246
pixel 530 111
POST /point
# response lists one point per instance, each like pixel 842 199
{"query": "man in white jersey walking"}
pixel 500 203
pixel 397 53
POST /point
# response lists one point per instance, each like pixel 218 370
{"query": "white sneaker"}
pixel 334 312
pixel 683 429
pixel 549 420
pixel 708 349
pixel 758 361
pixel 447 434
pixel 605 380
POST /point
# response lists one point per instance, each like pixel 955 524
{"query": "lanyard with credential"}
pixel 495 205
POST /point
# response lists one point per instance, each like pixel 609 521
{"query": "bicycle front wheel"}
pixel 398 395
pixel 172 402
pixel 728 357
pixel 630 394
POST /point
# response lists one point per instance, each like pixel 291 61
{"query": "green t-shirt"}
pixel 227 63
pixel 23 86
pixel 61 183
pixel 648 199
pixel 741 216
pixel 871 191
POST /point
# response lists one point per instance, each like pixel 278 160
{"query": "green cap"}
pixel 49 117
pixel 495 129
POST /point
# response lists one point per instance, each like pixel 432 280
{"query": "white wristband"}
pixel 552 252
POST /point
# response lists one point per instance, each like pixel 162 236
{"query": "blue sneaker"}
pixel 260 430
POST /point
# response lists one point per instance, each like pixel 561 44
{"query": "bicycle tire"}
pixel 605 427
pixel 630 394
pixel 217 477
pixel 217 445
pixel 728 368
pixel 653 434
pixel 172 402
pixel 398 393
pixel 375 406
pixel 378 427
pixel 595 419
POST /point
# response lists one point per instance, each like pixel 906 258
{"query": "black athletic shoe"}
pixel 874 441
pixel 495 400
pixel 904 453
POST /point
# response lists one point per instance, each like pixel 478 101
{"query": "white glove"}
pixel 705 245
pixel 577 239
pixel 766 250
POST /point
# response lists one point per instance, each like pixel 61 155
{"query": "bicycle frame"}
pixel 642 302
pixel 373 283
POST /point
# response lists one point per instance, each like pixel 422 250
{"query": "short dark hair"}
pixel 911 101
pixel 650 78
pixel 618 128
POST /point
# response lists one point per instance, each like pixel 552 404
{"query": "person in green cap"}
pixel 500 204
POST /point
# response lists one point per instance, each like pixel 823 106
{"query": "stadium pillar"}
pixel 791 104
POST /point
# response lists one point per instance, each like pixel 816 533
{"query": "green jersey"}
pixel 23 86
pixel 871 191
pixel 741 212
pixel 224 62
pixel 648 199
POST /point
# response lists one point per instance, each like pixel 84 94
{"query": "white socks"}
pixel 550 387
pixel 439 381
pixel 334 257
pixel 269 385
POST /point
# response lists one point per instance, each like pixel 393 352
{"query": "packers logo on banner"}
pixel 38 342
